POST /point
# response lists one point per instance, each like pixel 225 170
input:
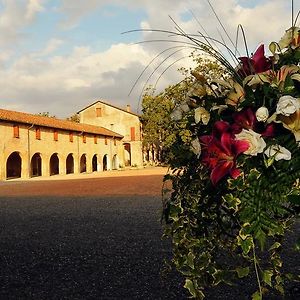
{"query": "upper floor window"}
pixel 132 133
pixel 105 140
pixel 95 139
pixel 115 142
pixel 16 131
pixel 71 136
pixel 98 111
pixel 55 135
pixel 38 133
pixel 84 138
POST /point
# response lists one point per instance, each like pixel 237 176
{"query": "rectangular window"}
pixel 55 135
pixel 99 112
pixel 95 139
pixel 38 133
pixel 83 138
pixel 132 133
pixel 115 142
pixel 16 131
pixel 71 136
pixel 105 141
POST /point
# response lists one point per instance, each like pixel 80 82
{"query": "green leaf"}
pixel 246 244
pixel 276 245
pixel 231 202
pixel 261 237
pixel 242 272
pixel 257 296
pixel 267 277
pixel 189 285
pixel 190 260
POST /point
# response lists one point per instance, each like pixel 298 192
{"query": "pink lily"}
pixel 220 154
pixel 256 64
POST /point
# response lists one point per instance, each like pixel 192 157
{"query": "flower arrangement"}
pixel 237 192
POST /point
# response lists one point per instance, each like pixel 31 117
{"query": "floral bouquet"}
pixel 236 192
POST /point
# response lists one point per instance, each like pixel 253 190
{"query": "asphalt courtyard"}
pixel 92 236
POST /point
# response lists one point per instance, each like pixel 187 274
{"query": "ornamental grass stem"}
pixel 256 271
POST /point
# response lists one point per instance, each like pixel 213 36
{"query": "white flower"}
pixel 202 115
pixel 196 146
pixel 262 114
pixel 184 107
pixel 256 142
pixel 278 152
pixel 287 105
pixel 177 113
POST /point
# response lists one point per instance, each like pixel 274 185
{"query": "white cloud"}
pixel 62 84
pixel 15 16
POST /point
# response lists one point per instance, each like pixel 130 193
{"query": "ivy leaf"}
pixel 232 202
pixel 190 260
pixel 245 244
pixel 242 272
pixel 256 296
pixel 189 285
pixel 267 277
pixel 276 245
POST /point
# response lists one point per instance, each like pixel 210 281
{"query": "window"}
pixel 115 142
pixel 16 131
pixel 55 135
pixel 95 139
pixel 83 138
pixel 105 141
pixel 38 133
pixel 99 112
pixel 132 133
pixel 71 136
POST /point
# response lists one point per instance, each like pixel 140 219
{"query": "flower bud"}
pixel 262 114
pixel 202 115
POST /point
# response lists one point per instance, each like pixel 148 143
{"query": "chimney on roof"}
pixel 128 108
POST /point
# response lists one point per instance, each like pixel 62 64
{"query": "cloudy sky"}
pixel 59 56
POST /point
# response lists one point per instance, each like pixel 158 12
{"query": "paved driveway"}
pixel 88 238
pixel 94 237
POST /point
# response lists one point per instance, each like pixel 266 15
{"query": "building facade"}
pixel 41 146
pixel 122 121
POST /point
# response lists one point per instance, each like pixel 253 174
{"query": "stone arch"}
pixel 83 163
pixel 127 154
pixel 36 165
pixel 105 162
pixel 70 164
pixel 54 164
pixel 115 162
pixel 95 163
pixel 14 165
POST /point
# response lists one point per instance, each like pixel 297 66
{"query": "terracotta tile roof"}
pixel 25 118
pixel 106 103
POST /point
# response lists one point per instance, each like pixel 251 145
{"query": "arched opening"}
pixel 105 162
pixel 14 166
pixel 83 163
pixel 95 163
pixel 127 154
pixel 115 162
pixel 36 165
pixel 54 164
pixel 70 164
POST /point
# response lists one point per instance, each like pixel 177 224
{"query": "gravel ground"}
pixel 94 238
